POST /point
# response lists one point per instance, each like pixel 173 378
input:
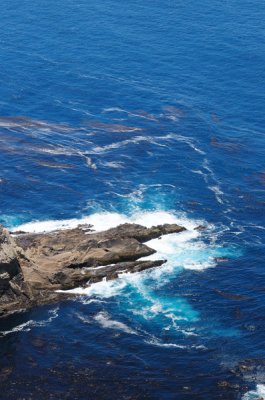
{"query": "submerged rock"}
pixel 228 385
pixel 200 228
pixel 231 296
pixel 251 370
pixel 34 266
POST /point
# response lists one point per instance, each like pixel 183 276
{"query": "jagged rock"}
pixel 200 228
pixel 33 266
pixel 74 278
pixel 56 252
pixel 8 256
pixel 143 234
pixel 13 289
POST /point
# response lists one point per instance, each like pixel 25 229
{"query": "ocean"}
pixel 147 112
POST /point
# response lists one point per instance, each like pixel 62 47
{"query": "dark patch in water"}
pixel 231 296
pixel 29 123
pixel 228 146
pixel 113 127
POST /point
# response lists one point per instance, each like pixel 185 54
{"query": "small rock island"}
pixel 34 266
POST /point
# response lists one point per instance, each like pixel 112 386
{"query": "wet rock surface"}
pixel 34 266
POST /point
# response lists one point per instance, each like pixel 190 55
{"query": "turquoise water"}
pixel 151 113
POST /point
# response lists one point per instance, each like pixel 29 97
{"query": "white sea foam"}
pixel 105 321
pixel 153 340
pixel 122 143
pixel 138 114
pixel 55 150
pixel 103 318
pixel 100 221
pixel 92 301
pixel 114 109
pixel 113 164
pixel 217 192
pixel 105 220
pixel 104 289
pixel 27 326
pixel 187 140
pixel 157 342
pixel 160 141
pixel 84 319
pixel 90 163
pixel 139 194
pixel 184 250
pixel 257 394
pixel 210 177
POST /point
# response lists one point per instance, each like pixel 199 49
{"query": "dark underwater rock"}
pixel 34 266
pixel 200 228
pixel 228 385
pixel 250 370
pixel 231 296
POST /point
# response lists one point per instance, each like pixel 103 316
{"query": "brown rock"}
pixel 33 266
pixel 13 289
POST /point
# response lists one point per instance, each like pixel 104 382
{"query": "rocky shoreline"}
pixel 33 267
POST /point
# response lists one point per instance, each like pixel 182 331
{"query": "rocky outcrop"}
pixel 73 278
pixel 13 289
pixel 34 266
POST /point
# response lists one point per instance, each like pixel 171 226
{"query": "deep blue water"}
pixel 145 111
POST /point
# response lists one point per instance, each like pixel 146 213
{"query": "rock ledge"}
pixel 34 266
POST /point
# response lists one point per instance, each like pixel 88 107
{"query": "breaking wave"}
pixel 141 294
pixel 257 394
